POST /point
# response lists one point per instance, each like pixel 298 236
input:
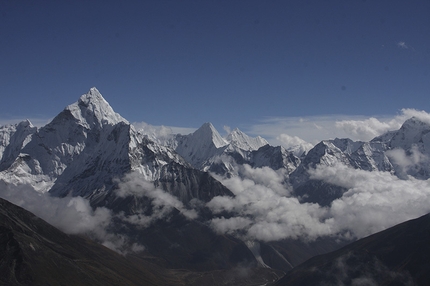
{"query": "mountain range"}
pixel 201 208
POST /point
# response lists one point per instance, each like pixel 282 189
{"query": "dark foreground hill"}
pixel 33 252
pixel 397 256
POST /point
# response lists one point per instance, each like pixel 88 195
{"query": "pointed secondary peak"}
pixel 208 132
pixel 235 135
pixel 239 139
pixel 236 131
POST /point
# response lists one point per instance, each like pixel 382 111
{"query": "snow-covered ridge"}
pixel 241 140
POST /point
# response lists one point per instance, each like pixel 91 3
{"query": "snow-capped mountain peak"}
pixel 239 139
pixel 207 132
pixel 413 133
pixel 92 110
pixel 201 145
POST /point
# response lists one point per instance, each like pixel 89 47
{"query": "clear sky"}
pixel 234 63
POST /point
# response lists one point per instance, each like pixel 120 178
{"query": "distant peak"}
pixel 236 131
pixel 208 131
pixel 243 141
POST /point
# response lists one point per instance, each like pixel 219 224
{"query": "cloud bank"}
pixel 264 209
pixel 301 131
pixel 162 203
pixel 72 215
pixel 163 132
pixel 368 129
pixel 374 200
pixel 294 144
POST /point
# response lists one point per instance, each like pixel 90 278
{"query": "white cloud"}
pixel 369 128
pixel 313 129
pixel 366 129
pixel 227 129
pixel 407 162
pixel 409 112
pixel 294 144
pixel 402 45
pixel 72 215
pixel 301 127
pixel 161 131
pixel 162 202
pixel 374 200
pixel 264 210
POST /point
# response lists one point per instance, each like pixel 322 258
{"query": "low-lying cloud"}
pixel 294 144
pixel 374 200
pixel 162 202
pixel 72 215
pixel 161 132
pixel 264 210
pixel 409 162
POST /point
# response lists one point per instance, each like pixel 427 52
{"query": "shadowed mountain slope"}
pixel 33 252
pixel 397 256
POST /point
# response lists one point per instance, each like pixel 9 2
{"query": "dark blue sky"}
pixel 183 63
